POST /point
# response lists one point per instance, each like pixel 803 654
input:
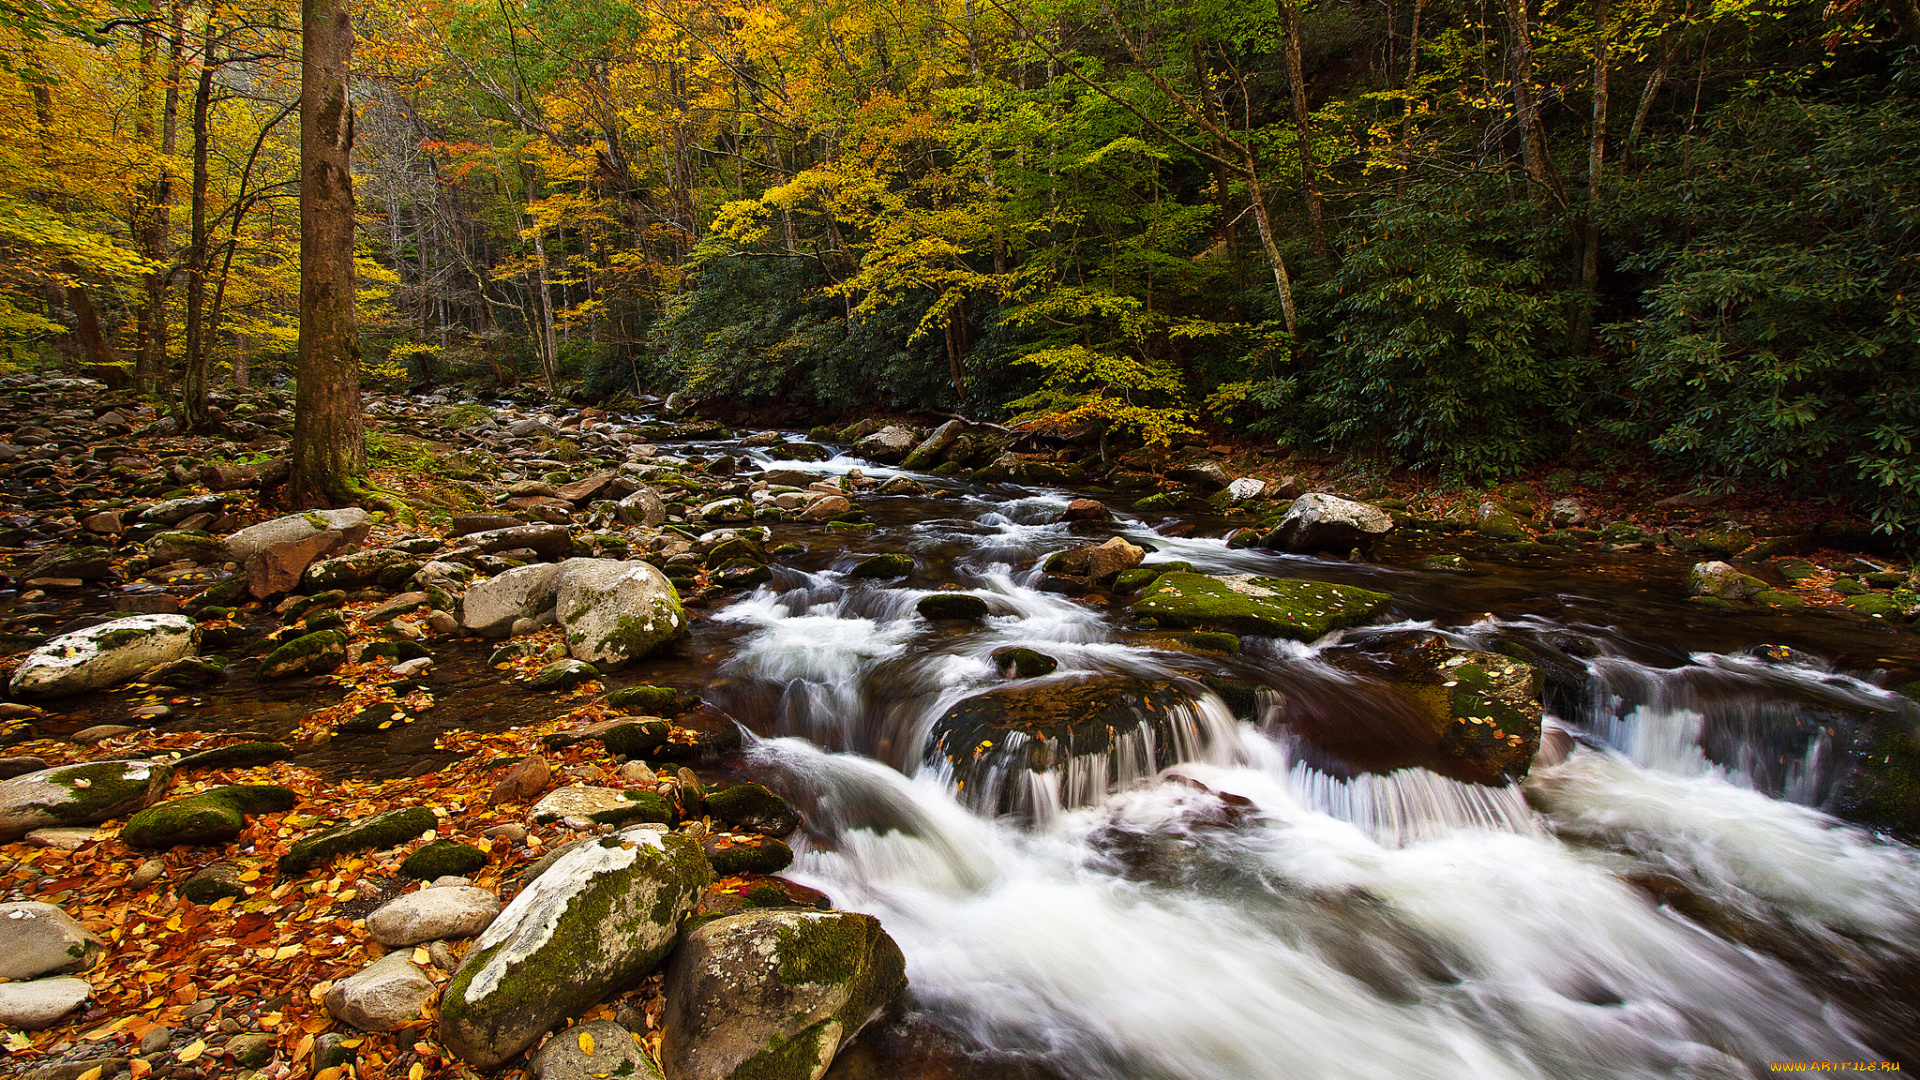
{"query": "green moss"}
pixel 306 655
pixel 1785 601
pixel 93 790
pixel 821 951
pixel 755 807
pixel 760 855
pixel 1214 642
pixel 244 755
pixel 1875 605
pixel 652 700
pixel 797 1058
pixel 211 817
pixel 883 566
pixel 952 605
pixel 443 858
pixel 1303 610
pixel 390 829
pixel 637 739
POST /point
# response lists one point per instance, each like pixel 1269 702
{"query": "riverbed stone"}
pixel 932 448
pixel 642 507
pixel 773 995
pixel 607 806
pixel 952 605
pixel 381 996
pixel 616 612
pixel 41 1003
pixel 104 655
pixel 563 675
pixel 210 817
pixel 1319 522
pixel 592 1051
pixel 39 939
pixel 1721 581
pixel 390 829
pixel 351 523
pixel 889 445
pixel 78 794
pixel 602 915
pixel 1245 604
pixel 1483 710
pixel 755 808
pixel 309 654
pixel 826 508
pixel 443 858
pixel 887 565
pixel 193 546
pixel 435 914
pixel 491 607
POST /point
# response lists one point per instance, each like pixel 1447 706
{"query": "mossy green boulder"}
pixel 774 994
pixel 79 794
pixel 1481 710
pixel 308 654
pixel 1244 604
pixel 952 605
pixel 732 854
pixel 211 817
pixel 245 755
pixel 617 612
pixel 603 915
pixel 443 858
pixel 755 808
pixel 652 701
pixel 391 829
pixel 883 566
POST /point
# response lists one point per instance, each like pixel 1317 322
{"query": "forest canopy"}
pixel 1465 238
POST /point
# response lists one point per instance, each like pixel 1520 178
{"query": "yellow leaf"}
pixel 192 1051
pixel 221 904
pixel 251 875
pixel 418 1072
pixel 90 1074
pixel 586 1042
pixel 420 956
pixel 332 1072
pixel 18 1041
pixel 285 951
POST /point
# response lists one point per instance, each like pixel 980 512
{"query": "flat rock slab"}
pixel 79 794
pixel 104 655
pixel 42 1003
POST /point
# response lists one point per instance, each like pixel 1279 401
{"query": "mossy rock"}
pixel 596 920
pixel 731 854
pixel 1785 601
pixel 563 675
pixel 952 605
pixel 1884 579
pixel 1883 787
pixel 755 808
pixel 330 619
pixel 1162 501
pixel 375 716
pixel 741 574
pixel 391 829
pixel 1875 605
pixel 604 806
pixel 212 884
pixel 246 755
pixel 1621 532
pixel 188 672
pixel 1484 709
pixel 211 817
pixel 227 592
pixel 394 651
pixel 301 605
pixel 652 701
pixel 1213 641
pixel 78 794
pixel 443 858
pixel 1847 587
pixel 1022 662
pixel 1128 582
pixel 308 654
pixel 883 566
pixel 1445 562
pixel 633 737
pixel 1302 610
pixel 739 547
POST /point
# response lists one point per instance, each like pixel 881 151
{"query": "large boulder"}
pixel 1244 604
pixel 381 996
pixel 279 567
pixel 491 607
pixel 549 541
pixel 375 566
pixel 78 794
pixel 103 655
pixel 1473 716
pixel 601 916
pixel 1721 581
pixel 1103 730
pixel 459 911
pixel 616 612
pixel 352 523
pixel 1329 523
pixel 888 445
pixel 930 450
pixel 773 995
pixel 42 1003
pixel 39 939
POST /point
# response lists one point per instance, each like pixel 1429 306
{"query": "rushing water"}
pixel 1664 896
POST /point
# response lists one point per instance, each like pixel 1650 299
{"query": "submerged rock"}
pixel 1482 710
pixel 773 995
pixel 599 917
pixel 103 655
pixel 1244 604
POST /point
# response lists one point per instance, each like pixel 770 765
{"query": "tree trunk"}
pixel 1533 142
pixel 329 444
pixel 1596 162
pixel 1406 116
pixel 1281 281
pixel 1290 27
pixel 86 325
pixel 193 377
pixel 156 224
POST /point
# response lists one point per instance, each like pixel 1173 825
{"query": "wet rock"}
pixel 596 1049
pixel 491 607
pixel 883 566
pixel 652 700
pixel 606 806
pixel 1493 520
pixel 465 524
pixel 41 1003
pixel 952 605
pixel 433 915
pixel 563 675
pixel 1097 562
pixel 1329 523
pixel 104 655
pixel 1110 727
pixel 308 654
pixel 78 794
pixel 889 445
pixel 211 817
pixel 1245 489
pixel 774 994
pixel 390 829
pixel 39 939
pixel 599 917
pixel 175 511
pixel 77 564
pixel 733 853
pixel 251 1050
pixel 381 996
pixel 1084 510
pixel 196 547
pixel 1023 663
pixel 826 508
pixel 755 808
pixel 187 673
pixel 617 612
pixel 701 733
pixel 1567 514
pixel 376 566
pixel 643 507
pixel 213 883
pixel 1206 475
pixel 443 858
pixel 1482 710
pixel 1244 604
pixel 1721 581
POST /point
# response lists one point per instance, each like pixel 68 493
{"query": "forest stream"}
pixel 1246 871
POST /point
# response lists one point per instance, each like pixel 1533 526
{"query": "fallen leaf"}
pixel 192 1051
pixel 586 1043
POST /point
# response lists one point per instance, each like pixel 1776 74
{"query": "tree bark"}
pixel 1533 142
pixel 194 386
pixel 1290 28
pixel 155 228
pixel 329 443
pixel 1596 163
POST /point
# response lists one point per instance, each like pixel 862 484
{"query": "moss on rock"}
pixel 308 654
pixel 391 829
pixel 211 817
pixel 244 755
pixel 1302 610
pixel 883 566
pixel 653 701
pixel 755 808
pixel 443 858
pixel 952 605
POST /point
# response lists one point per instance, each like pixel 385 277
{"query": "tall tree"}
pixel 329 443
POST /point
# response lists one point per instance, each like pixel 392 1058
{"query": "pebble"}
pixel 512 834
pixel 415 666
pixel 156 1040
pixel 146 874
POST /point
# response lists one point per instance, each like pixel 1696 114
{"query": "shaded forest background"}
pixel 1461 237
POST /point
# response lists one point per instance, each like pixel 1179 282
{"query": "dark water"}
pixel 1666 895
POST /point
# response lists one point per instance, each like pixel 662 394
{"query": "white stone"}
pixel 432 915
pixel 381 996
pixel 103 655
pixel 39 939
pixel 615 612
pixel 352 522
pixel 42 1003
pixel 1245 488
pixel 491 607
